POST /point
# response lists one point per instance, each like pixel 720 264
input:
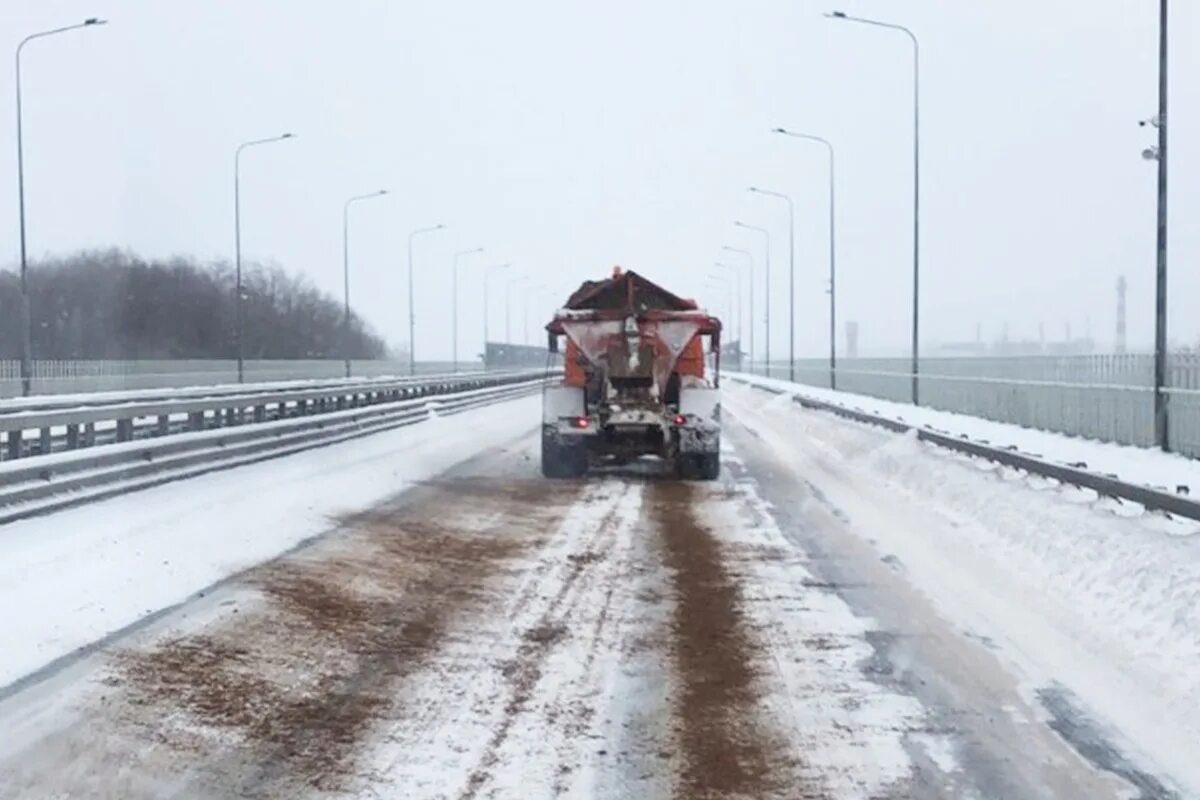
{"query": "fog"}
pixel 567 137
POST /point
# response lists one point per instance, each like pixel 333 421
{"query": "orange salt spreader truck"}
pixel 634 381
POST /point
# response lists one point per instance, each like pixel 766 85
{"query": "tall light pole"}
pixel 916 310
pixel 1159 154
pixel 237 240
pixel 832 251
pixel 487 277
pixel 508 306
pixel 737 284
pixel 26 308
pixel 454 303
pixel 412 320
pixel 766 234
pixel 791 275
pixel 346 270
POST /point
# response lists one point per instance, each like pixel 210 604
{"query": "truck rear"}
pixel 635 381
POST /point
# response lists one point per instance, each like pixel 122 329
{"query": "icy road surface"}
pixel 806 627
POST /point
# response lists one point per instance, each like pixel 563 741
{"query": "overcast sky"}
pixel 565 137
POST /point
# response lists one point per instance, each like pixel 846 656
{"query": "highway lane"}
pixel 490 634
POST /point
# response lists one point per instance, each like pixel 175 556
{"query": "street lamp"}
pixel 737 282
pixel 26 309
pixel 832 252
pixel 791 276
pixel 1159 154
pixel 838 15
pixel 454 303
pixel 767 288
pixel 237 239
pixel 508 306
pixel 412 329
pixel 346 269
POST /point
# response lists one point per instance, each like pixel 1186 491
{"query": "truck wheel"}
pixel 563 461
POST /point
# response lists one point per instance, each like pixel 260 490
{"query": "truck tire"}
pixel 563 460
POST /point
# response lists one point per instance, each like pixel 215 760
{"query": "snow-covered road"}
pixel 845 614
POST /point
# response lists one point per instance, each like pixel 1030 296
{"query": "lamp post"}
pixel 26 308
pixel 237 241
pixel 832 251
pixel 767 288
pixel 508 306
pixel 412 322
pixel 346 270
pixel 916 313
pixel 487 276
pixel 1159 154
pixel 791 275
pixel 454 303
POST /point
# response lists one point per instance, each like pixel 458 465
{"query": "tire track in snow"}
pixel 554 690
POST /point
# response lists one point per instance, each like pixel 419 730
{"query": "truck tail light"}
pixel 581 422
pixel 680 419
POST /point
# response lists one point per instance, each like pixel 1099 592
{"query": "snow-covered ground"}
pixel 1139 465
pixel 1073 595
pixel 846 613
pixel 95 569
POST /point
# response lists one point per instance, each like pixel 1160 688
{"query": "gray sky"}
pixel 566 137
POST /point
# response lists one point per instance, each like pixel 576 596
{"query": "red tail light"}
pixel 680 419
pixel 581 422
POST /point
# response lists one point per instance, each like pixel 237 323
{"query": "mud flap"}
pixel 563 456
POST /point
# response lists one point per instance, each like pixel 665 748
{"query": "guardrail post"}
pixel 260 413
pixel 44 442
pixel 72 437
pixel 196 421
pixel 164 425
pixel 89 434
pixel 124 430
pixel 281 411
pixel 14 444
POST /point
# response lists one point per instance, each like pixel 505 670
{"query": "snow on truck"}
pixel 634 381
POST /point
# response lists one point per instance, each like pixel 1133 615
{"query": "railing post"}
pixel 124 430
pixel 14 444
pixel 44 443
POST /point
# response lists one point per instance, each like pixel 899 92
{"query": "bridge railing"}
pixel 1109 397
pixel 41 426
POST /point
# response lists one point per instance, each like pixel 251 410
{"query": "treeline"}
pixel 111 304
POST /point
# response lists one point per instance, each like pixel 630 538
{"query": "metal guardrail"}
pixel 42 426
pixel 40 485
pixel 1074 474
